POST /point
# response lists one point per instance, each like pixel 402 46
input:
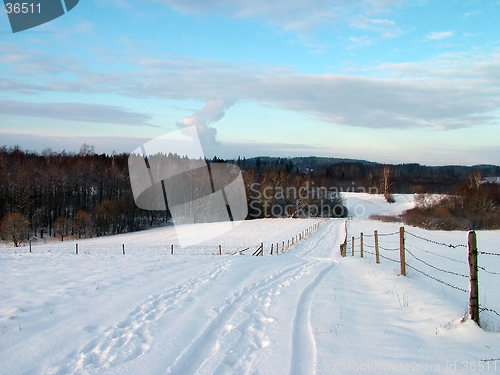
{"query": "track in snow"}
pixel 237 332
pixel 200 349
pixel 131 338
pixel 304 344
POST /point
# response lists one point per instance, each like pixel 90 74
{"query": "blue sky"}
pixel 390 81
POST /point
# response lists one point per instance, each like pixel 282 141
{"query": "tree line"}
pixel 63 194
pixel 59 194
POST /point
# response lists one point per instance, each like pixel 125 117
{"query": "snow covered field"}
pixel 249 234
pixel 305 311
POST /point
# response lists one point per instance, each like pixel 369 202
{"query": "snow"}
pixel 305 311
pixel 248 234
pixel 362 205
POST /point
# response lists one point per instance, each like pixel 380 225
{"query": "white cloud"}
pixel 298 14
pixel 456 92
pixel 75 112
pixel 471 14
pixel 364 40
pixel 384 27
pixel 434 35
pixel 212 112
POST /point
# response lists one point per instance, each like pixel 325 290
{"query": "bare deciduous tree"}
pixel 386 183
pixel 61 227
pixel 83 223
pixel 14 228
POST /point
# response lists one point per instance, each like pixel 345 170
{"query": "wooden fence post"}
pixel 123 248
pixel 220 250
pixel 271 249
pixel 283 248
pixel 172 249
pixel 30 246
pixel 277 248
pixel 402 250
pixel 474 285
pixel 361 245
pixel 76 249
pixel 353 246
pixel 377 256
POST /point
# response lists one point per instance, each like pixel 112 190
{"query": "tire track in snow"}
pixel 315 240
pixel 246 331
pixel 195 355
pixel 131 338
pixel 303 342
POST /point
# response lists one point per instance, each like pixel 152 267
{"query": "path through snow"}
pixel 306 311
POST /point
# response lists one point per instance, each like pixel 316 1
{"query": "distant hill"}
pixel 405 177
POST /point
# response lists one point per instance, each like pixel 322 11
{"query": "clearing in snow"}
pixel 304 311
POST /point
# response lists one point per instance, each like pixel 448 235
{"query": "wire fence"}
pixel 108 246
pixel 426 267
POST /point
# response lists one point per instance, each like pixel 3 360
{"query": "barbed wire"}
pixel 435 242
pixel 435 278
pixel 436 268
pixel 386 249
pixel 439 255
pixel 482 309
pixel 490 272
pixel 486 253
pixel 387 234
pixel 489 310
pixel 380 234
pixel 382 256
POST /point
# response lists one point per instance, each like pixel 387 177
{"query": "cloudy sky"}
pixel 384 80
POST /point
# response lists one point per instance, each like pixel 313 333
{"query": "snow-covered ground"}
pixel 362 205
pixel 249 234
pixel 305 311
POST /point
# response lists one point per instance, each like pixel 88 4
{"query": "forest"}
pixel 77 195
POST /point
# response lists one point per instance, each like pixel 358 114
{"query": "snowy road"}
pixel 306 311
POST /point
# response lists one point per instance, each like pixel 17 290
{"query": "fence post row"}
pixel 284 245
pixel 474 287
pixel 353 246
pixel 474 308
